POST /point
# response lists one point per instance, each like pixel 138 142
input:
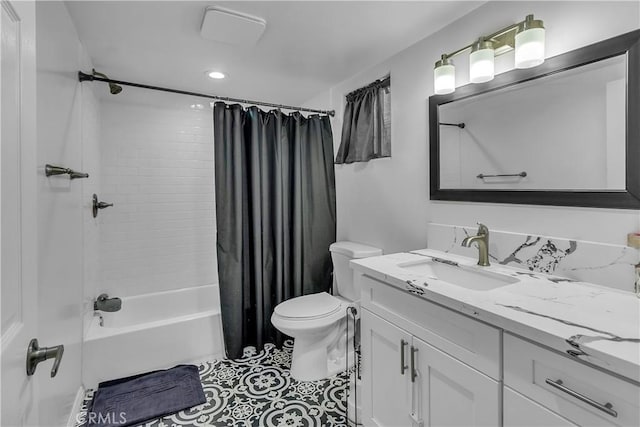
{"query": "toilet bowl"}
pixel 318 322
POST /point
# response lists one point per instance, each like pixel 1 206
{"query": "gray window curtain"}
pixel 275 208
pixel 366 127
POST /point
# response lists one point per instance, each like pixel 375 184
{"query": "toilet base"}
pixel 310 361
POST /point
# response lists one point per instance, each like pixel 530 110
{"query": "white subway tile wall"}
pixel 157 169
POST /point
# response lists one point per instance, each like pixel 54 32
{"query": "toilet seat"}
pixel 309 307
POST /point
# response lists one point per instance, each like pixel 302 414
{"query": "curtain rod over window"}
pixel 381 82
pixel 88 77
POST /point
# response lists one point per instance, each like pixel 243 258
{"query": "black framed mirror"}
pixel 565 133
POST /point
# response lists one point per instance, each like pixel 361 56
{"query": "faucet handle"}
pixel 482 229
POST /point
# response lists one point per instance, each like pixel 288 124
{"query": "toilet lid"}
pixel 314 305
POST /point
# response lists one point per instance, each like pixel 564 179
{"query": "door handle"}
pixel 35 355
pixel 403 367
pixel 414 373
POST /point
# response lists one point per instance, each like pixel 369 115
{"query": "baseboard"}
pixel 75 410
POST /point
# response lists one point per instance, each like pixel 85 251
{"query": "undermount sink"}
pixel 474 278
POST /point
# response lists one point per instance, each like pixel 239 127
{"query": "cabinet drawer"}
pixel 522 412
pixel 472 342
pixel 578 392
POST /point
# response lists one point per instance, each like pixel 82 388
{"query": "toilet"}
pixel 318 322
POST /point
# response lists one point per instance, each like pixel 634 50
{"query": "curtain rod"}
pixel 88 77
pixel 382 81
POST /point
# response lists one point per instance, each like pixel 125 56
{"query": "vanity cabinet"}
pixel 409 381
pixel 427 365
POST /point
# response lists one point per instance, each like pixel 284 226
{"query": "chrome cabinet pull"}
pixel 403 367
pixel 607 407
pixel 414 373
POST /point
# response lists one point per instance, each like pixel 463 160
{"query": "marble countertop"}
pixel 593 323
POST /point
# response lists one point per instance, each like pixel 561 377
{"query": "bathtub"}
pixel 153 331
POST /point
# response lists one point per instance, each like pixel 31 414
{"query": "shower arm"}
pixel 88 77
pixel 95 73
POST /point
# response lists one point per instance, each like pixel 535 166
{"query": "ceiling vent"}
pixel 229 26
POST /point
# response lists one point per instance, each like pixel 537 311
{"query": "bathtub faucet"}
pixel 104 303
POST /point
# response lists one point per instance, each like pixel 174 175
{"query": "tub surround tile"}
pixel 593 323
pixel 583 261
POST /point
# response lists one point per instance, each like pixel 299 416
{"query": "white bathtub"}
pixel 153 331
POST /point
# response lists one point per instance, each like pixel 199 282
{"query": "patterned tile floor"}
pixel 258 390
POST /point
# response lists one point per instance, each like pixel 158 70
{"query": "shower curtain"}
pixel 275 215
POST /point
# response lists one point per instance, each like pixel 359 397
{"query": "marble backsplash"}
pixel 604 264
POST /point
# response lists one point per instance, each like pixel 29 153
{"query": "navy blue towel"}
pixel 134 400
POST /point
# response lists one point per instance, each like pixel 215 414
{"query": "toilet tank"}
pixel 341 254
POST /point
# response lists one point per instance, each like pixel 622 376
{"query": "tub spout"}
pixel 104 303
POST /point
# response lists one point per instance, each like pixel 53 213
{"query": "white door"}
pixel 18 263
pixel 386 391
pixel 451 393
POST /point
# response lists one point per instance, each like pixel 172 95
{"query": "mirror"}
pixel 563 133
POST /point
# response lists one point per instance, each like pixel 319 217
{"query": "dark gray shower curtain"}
pixel 275 214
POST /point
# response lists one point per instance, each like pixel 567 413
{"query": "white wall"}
pixel 386 202
pixel 64 136
pixel 157 168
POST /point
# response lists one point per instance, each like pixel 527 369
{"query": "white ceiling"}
pixel 307 47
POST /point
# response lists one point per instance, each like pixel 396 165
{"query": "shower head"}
pixel 113 88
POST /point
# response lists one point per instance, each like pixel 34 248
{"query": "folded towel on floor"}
pixel 133 400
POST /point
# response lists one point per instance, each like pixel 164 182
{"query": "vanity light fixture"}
pixel 526 37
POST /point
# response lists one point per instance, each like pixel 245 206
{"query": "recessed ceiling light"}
pixel 216 75
pixel 197 106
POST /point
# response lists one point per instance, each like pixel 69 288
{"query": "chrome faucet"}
pixel 482 240
pixel 104 303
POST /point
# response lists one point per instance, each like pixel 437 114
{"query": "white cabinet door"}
pixel 448 392
pixel 522 412
pixel 18 211
pixel 386 390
